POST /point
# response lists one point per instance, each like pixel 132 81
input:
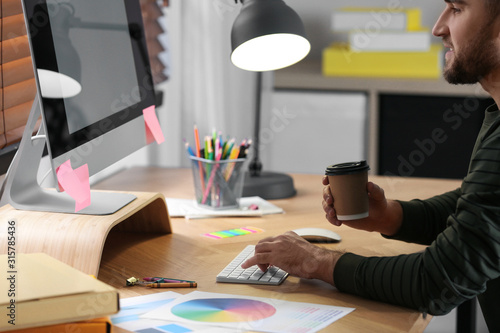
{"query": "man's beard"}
pixel 474 62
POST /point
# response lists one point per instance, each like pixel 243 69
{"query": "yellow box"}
pixel 340 60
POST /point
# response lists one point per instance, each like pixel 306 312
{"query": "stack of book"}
pixel 382 43
pixel 41 294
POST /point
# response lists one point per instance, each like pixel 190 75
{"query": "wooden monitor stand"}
pixel 78 240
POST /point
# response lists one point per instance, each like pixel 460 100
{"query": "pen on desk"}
pixel 217 147
pixel 197 143
pixel 156 282
pixel 161 280
pixel 221 141
pixel 210 180
pixel 189 150
pixel 246 148
pixel 209 156
pixel 223 147
pixel 207 143
pixel 243 143
pixel 227 149
pixel 197 140
pixel 210 151
pixel 172 285
pixel 232 156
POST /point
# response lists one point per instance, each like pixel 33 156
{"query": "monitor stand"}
pixel 78 240
pixel 21 190
pixel 35 214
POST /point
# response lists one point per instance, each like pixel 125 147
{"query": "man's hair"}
pixel 493 8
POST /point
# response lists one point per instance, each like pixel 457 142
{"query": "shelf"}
pixel 307 75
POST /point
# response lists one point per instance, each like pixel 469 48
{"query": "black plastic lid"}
pixel 347 168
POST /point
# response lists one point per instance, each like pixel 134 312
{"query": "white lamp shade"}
pixel 267 35
pixel 57 85
pixel 270 52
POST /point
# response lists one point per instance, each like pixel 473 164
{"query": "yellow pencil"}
pixel 232 156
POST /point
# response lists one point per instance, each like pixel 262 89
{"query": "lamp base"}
pixel 269 186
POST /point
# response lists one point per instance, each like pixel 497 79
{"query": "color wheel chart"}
pixel 131 310
pixel 223 310
pixel 246 313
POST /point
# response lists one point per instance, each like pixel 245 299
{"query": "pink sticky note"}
pixel 75 183
pixel 153 129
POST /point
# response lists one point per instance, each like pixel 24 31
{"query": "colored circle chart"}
pixel 223 310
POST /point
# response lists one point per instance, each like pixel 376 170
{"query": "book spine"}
pixel 376 19
pixel 415 41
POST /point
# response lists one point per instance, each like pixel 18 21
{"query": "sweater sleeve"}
pixel 459 262
pixel 423 220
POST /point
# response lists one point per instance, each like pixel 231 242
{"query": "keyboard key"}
pixel 256 275
pixel 233 273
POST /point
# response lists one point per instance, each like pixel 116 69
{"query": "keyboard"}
pixel 233 273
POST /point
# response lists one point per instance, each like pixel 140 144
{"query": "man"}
pixel 462 227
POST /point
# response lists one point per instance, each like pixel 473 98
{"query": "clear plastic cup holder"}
pixel 218 184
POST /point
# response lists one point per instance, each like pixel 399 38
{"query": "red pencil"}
pixel 198 150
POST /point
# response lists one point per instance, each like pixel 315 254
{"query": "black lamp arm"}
pixel 255 166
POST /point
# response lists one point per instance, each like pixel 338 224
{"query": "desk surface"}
pixel 187 255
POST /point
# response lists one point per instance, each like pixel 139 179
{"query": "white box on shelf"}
pixel 390 41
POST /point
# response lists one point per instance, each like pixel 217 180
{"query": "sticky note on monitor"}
pixel 76 183
pixel 153 128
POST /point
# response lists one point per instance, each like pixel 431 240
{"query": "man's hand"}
pixel 296 256
pixel 385 216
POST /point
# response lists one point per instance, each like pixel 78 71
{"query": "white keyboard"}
pixel 233 273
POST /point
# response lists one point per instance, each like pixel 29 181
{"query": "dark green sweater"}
pixel 462 229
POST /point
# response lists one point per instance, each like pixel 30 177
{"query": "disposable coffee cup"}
pixel 348 186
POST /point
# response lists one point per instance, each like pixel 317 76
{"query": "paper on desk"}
pixel 246 313
pixel 132 308
pixel 191 210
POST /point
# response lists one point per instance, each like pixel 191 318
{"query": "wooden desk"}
pixel 186 254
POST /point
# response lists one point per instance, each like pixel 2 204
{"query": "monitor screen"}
pixel 75 48
pixel 92 69
pixel 94 83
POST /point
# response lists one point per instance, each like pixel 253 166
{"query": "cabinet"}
pixel 305 131
pixel 306 76
pixel 428 136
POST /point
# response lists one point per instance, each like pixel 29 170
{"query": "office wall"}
pixel 225 96
pixel 316 15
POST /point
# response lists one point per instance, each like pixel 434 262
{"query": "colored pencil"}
pixel 197 143
pixel 173 285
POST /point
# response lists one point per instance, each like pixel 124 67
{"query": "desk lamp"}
pixel 267 35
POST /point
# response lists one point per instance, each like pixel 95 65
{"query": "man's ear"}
pixel 496 30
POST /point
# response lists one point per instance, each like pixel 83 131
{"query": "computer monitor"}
pixel 93 83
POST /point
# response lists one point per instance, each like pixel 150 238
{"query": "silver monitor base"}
pixel 21 190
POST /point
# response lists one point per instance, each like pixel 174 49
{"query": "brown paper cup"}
pixel 348 186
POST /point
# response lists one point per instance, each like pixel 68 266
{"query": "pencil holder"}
pixel 218 184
